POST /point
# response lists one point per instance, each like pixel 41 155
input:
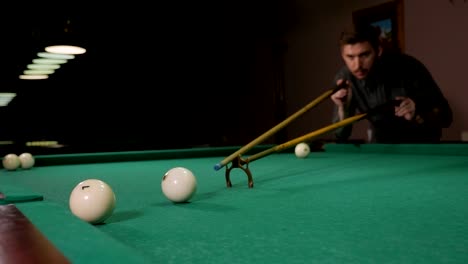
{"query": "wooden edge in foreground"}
pixel 21 242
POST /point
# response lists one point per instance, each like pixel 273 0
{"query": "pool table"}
pixel 345 203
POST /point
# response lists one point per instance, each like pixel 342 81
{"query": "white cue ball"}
pixel 302 150
pixel 92 200
pixel 179 184
pixel 11 161
pixel 27 160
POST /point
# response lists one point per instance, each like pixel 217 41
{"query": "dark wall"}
pixel 172 75
pixel 434 32
pixel 192 74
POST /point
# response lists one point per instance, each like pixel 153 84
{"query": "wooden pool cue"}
pixel 276 128
pixel 386 107
pixel 306 137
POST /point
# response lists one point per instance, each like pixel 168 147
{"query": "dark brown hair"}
pixel 359 34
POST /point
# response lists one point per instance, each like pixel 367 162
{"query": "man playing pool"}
pixel 374 77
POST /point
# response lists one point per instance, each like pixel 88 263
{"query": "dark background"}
pixel 173 74
pixel 182 74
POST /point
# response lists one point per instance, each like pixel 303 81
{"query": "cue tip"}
pixel 217 166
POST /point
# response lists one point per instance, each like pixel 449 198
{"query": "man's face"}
pixel 359 58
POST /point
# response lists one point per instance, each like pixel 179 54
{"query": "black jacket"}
pixel 398 75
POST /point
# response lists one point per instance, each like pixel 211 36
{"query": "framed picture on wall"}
pixel 388 17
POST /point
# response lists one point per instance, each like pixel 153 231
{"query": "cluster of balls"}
pixel 13 162
pixel 94 201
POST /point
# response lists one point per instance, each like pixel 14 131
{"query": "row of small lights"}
pixel 49 61
pixel 46 63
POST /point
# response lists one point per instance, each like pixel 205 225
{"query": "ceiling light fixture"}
pixel 36 72
pixel 67 42
pixel 34 77
pixel 65 49
pixel 43 66
pixel 48 55
pixel 48 61
pixel 5 98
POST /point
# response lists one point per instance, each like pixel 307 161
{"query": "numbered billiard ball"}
pixel 302 150
pixel 27 160
pixel 11 161
pixel 92 200
pixel 179 184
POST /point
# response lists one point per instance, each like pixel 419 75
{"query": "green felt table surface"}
pixel 347 204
